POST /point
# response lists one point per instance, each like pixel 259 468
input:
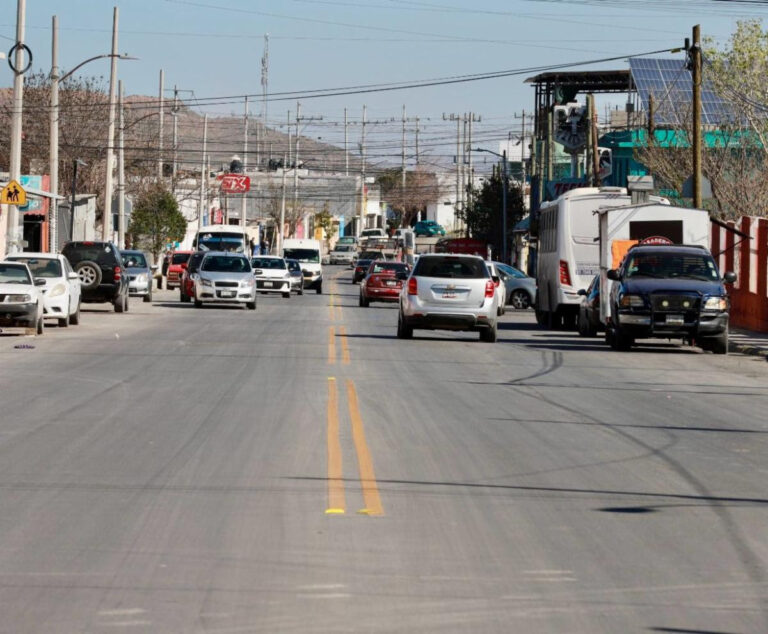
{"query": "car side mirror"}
pixel 39 281
pixel 72 276
pixel 613 274
pixel 582 292
pixel 729 277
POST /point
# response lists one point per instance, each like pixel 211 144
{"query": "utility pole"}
pixel 695 54
pixel 290 140
pixel 417 141
pixel 105 228
pixel 296 162
pixel 12 211
pixel 457 207
pixel 265 83
pixel 244 202
pixel 175 113
pixel 362 173
pixel 162 121
pixel 346 147
pixel 402 182
pixel 651 115
pixel 203 176
pixel 472 118
pixel 282 209
pixel 120 169
pixel 53 147
pixel 504 187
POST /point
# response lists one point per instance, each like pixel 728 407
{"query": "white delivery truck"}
pixel 309 255
pixel 568 256
pixel 652 223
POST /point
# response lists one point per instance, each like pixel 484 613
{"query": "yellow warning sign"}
pixel 13 194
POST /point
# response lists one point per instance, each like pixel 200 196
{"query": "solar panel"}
pixel 669 81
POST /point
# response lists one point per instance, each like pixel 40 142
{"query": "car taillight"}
pixel 413 286
pixel 565 274
pixel 490 288
pixel 118 273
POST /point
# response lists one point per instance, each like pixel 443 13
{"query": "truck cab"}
pixel 309 255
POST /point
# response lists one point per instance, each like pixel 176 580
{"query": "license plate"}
pixel 391 283
pixel 227 293
pixel 449 295
pixel 267 284
pixel 675 320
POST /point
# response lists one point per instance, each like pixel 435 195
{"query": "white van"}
pixel 309 255
pixel 568 254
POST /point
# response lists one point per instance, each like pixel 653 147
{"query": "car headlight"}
pixel 631 301
pixel 716 303
pixel 247 282
pixel 141 278
pixel 206 282
pixel 18 299
pixel 57 290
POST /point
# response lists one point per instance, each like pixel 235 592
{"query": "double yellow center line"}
pixel 332 345
pixel 336 493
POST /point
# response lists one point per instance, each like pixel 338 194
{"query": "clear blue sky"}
pixel 214 47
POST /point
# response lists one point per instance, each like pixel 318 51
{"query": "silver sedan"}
pixel 225 278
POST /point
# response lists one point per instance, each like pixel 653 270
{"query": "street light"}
pixel 504 185
pixel 54 123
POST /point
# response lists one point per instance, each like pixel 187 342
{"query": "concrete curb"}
pixel 748 349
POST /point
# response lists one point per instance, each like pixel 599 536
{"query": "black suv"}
pixel 669 292
pixel 99 265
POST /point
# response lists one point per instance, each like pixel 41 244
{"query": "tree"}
pixel 735 148
pixel 421 189
pixel 156 220
pixel 324 221
pixel 483 216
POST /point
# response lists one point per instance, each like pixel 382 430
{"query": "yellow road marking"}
pixel 344 348
pixel 330 304
pixel 336 503
pixel 371 496
pixel 331 345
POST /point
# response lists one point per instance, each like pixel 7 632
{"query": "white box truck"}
pixel 309 255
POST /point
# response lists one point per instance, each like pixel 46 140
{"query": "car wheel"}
pixel 63 322
pixel 287 295
pixel 320 289
pixel 40 326
pixel 618 340
pixel 364 303
pixel 89 273
pixel 520 300
pixel 159 283
pixel 121 304
pixel 198 303
pixel 251 305
pixel 404 331
pixel 301 289
pixel 148 297
pixel 719 344
pixel 489 335
pixel 74 318
pixel 583 326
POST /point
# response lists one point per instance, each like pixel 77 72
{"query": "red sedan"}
pixel 383 282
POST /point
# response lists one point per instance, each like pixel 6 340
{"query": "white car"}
pixel 271 274
pixel 21 302
pixel 61 293
pixel 501 288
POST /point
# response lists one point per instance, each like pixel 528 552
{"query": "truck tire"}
pixel 89 273
pixel 320 288
pixel 719 344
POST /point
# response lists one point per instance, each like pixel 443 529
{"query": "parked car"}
pixel 428 228
pixel 297 277
pixel 271 274
pixel 225 278
pixel 61 293
pixel 374 232
pixel 100 268
pixel 361 268
pixel 383 282
pixel 22 299
pixel 499 281
pixel 449 292
pixel 521 288
pixel 187 283
pixel 176 264
pixel 589 310
pixel 343 254
pixel 139 274
pixel 669 292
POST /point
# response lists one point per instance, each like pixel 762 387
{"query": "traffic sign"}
pixel 235 184
pixel 13 194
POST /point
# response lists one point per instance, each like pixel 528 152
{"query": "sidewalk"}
pixel 748 342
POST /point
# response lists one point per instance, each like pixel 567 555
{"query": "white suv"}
pixel 449 292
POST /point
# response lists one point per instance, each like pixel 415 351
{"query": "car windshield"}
pixel 466 268
pixel 388 267
pixel 347 240
pixel 363 263
pixel 10 274
pixel 344 247
pixel 510 270
pixel 194 262
pixel 225 264
pixel 134 260
pixel 221 242
pixel 664 265
pixel 293 265
pixel 179 258
pixel 268 263
pixel 42 267
pixel 303 255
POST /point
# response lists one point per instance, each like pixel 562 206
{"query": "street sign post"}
pixel 13 194
pixel 235 184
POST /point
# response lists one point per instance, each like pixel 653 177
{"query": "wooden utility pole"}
pixel 695 53
pixel 651 115
pixel 595 153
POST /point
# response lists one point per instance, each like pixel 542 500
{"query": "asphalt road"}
pixel 298 469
